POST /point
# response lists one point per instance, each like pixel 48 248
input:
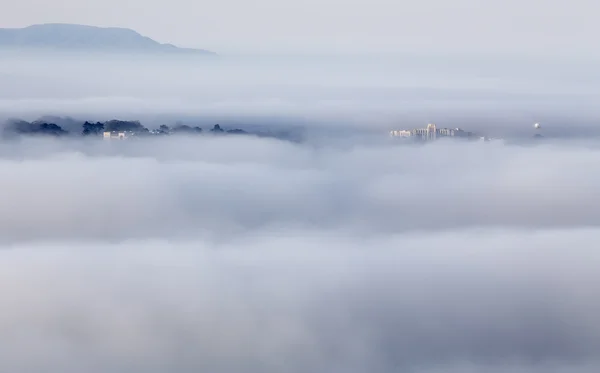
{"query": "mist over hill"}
pixel 72 37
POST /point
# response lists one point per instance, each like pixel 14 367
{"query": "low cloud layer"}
pixel 500 301
pixel 240 254
pixel 173 187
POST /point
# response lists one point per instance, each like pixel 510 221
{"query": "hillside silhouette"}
pixel 72 37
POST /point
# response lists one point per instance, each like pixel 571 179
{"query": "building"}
pixel 401 133
pixel 430 133
pixel 116 135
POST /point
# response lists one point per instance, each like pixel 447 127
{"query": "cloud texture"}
pixel 251 255
pixel 376 91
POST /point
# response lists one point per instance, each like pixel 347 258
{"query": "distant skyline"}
pixel 542 27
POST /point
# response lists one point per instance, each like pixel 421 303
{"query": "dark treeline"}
pixel 34 128
pixel 50 127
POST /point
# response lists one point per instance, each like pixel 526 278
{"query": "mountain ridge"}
pixel 74 37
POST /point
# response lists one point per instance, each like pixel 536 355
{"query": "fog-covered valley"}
pixel 342 253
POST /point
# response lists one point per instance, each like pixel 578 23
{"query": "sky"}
pixel 243 254
pixel 528 27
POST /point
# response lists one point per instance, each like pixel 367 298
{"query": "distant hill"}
pixel 57 36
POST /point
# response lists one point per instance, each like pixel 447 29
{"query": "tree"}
pixel 51 129
pixel 184 129
pixel 22 127
pixel 66 123
pixel 217 128
pixel 92 128
pixel 121 125
pixel 164 129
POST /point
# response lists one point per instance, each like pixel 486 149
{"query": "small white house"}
pixel 115 135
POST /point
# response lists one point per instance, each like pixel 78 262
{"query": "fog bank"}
pixel 346 252
pixel 495 93
pixel 500 301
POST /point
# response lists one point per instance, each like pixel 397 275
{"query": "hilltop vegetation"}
pixel 69 127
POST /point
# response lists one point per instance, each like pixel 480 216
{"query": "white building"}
pixel 115 135
pixel 430 133
pixel 401 133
